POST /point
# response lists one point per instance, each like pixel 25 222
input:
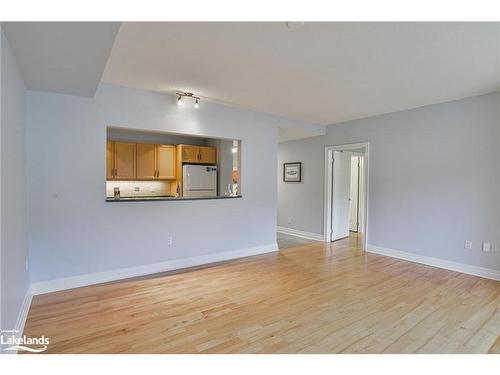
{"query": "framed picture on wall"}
pixel 292 172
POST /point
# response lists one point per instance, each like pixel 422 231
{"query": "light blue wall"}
pixel 73 231
pixel 14 246
pixel 434 179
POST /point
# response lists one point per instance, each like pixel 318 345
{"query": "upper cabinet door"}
pixel 208 155
pixel 125 156
pixel 146 161
pixel 190 154
pixel 109 160
pixel 166 162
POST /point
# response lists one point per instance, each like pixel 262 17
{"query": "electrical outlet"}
pixel 137 189
pixel 170 241
pixel 468 244
pixel 486 247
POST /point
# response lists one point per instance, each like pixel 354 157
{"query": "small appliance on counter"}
pixel 116 192
pixel 231 190
pixel 199 181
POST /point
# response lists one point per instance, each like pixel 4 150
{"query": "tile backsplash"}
pixel 138 188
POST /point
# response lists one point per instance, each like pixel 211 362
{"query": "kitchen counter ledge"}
pixel 144 199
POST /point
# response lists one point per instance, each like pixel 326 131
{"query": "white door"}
pixel 341 203
pixel 353 217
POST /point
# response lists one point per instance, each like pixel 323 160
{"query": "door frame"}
pixel 327 219
pixel 358 197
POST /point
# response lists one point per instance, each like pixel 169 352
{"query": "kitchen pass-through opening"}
pixel 151 165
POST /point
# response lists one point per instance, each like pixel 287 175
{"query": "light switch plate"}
pixel 486 247
pixel 468 244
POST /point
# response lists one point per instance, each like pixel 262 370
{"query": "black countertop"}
pixel 144 199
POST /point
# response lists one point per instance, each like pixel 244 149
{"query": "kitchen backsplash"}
pixel 138 188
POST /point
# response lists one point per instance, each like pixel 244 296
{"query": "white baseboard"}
pixel 21 317
pixel 23 313
pixel 42 287
pixel 436 262
pixel 300 233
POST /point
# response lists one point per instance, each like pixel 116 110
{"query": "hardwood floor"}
pixel 317 298
pixel 286 241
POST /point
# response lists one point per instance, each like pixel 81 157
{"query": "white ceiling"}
pixel 322 72
pixel 62 57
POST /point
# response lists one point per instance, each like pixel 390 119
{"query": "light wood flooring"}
pixel 316 298
pixel 286 240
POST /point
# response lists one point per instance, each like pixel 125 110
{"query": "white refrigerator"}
pixel 199 181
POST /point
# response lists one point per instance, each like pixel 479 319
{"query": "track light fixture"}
pixel 181 95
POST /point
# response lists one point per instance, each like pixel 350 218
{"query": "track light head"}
pixel 181 95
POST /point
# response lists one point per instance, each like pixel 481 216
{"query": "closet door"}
pixel 341 204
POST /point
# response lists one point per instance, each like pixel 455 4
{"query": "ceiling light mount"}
pixel 294 25
pixel 181 95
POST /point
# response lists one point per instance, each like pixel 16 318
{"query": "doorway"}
pixel 346 191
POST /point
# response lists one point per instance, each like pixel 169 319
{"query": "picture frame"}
pixel 292 172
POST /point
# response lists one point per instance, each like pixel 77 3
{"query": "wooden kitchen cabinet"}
pixel 198 154
pixel 110 149
pixel 124 160
pixel 190 154
pixel 165 156
pixel 120 160
pixel 140 161
pixel 208 155
pixel 146 161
